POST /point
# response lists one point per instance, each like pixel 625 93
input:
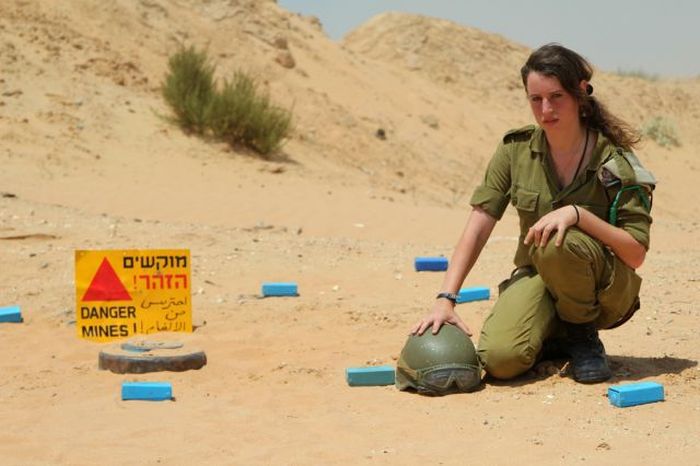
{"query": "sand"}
pixel 89 163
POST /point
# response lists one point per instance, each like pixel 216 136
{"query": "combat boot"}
pixel 588 361
pixel 553 349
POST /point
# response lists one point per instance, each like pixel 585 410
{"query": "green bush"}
pixel 241 114
pixel 232 107
pixel 189 88
pixel 662 130
pixel 238 113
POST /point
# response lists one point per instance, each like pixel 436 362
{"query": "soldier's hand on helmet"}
pixel 555 221
pixel 443 312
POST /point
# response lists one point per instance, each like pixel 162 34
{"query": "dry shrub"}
pixel 242 114
pixel 661 130
pixel 189 89
pixel 238 113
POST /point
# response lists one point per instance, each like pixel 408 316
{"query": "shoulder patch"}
pixel 625 168
pixel 519 134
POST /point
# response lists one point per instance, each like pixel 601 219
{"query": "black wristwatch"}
pixel 450 296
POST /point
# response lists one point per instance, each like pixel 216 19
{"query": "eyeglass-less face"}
pixel 551 105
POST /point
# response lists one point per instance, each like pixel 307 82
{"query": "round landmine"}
pixel 143 354
pixel 142 345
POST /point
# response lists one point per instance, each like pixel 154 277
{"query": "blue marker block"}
pixel 10 314
pixel 279 289
pixel 152 391
pixel 431 264
pixel 369 376
pixel 633 394
pixel 475 293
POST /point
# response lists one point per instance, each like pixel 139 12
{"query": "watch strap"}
pixel 449 296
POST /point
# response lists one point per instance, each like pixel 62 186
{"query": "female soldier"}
pixel 583 200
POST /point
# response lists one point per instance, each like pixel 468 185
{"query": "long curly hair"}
pixel 570 68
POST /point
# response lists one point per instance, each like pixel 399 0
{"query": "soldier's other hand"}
pixel 555 221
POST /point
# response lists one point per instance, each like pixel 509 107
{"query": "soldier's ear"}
pixel 586 87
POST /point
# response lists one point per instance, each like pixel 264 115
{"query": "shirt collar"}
pixel 603 147
pixel 538 142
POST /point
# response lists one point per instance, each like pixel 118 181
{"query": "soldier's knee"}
pixel 550 254
pixel 577 246
pixel 505 362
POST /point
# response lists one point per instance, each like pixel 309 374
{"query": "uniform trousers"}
pixel 581 281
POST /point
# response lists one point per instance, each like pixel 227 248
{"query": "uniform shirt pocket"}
pixel 525 200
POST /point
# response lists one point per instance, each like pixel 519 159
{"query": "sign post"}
pixel 122 293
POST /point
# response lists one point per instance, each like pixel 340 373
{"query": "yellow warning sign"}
pixel 128 292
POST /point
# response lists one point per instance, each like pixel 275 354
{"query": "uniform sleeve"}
pixel 633 213
pixel 493 194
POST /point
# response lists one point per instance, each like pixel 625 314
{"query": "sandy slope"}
pixel 343 213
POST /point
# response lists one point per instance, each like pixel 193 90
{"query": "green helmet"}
pixel 439 364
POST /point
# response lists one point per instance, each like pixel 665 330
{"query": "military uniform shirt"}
pixel 521 172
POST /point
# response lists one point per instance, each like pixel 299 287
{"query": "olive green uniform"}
pixel 581 281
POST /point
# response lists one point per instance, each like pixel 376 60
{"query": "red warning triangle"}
pixel 106 285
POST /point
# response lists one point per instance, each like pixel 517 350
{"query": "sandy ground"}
pixel 91 165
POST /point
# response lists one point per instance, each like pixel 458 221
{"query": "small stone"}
pixel 285 59
pixel 281 43
pixel 431 120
